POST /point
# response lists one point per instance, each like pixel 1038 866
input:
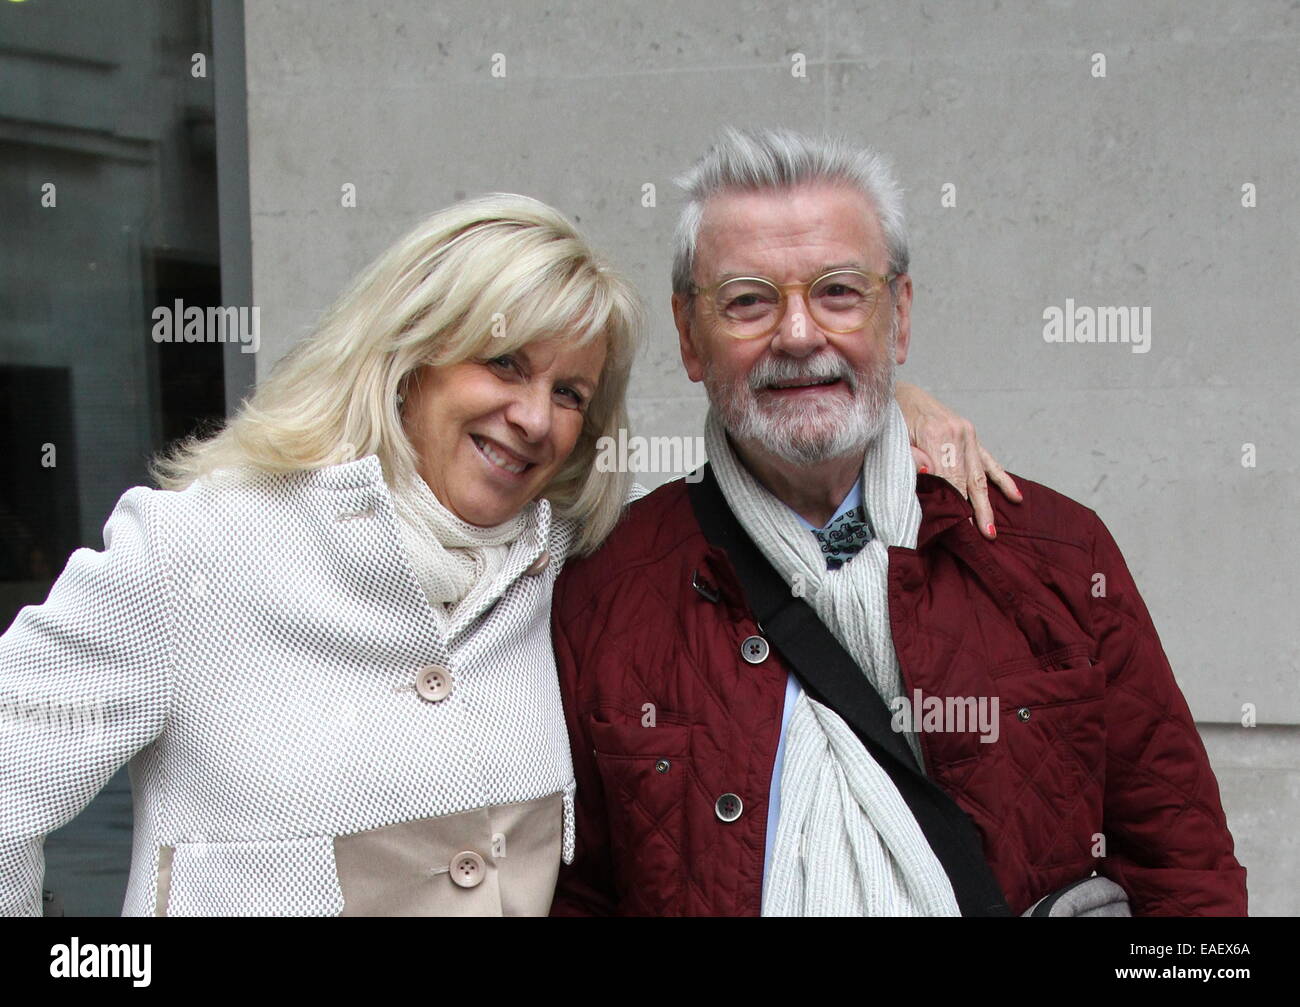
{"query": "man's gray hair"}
pixel 782 159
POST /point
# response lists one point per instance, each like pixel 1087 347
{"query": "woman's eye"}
pixel 504 362
pixel 575 399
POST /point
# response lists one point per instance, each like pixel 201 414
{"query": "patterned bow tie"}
pixel 844 537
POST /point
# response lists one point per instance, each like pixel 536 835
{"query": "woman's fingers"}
pixel 946 444
pixel 949 441
pixel 998 476
pixel 977 488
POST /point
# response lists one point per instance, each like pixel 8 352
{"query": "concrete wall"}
pixel 1122 190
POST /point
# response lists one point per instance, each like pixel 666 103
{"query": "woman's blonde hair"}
pixel 481 278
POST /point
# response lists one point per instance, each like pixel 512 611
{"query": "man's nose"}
pixel 798 335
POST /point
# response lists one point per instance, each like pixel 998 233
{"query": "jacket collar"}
pixel 352 475
pixel 941 507
pixel 368 474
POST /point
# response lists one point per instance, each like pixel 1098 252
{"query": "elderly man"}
pixel 806 684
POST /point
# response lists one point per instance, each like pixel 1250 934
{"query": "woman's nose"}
pixel 530 411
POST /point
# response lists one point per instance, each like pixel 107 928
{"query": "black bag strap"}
pixel 834 679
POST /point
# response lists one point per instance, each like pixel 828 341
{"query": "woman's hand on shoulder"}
pixel 946 445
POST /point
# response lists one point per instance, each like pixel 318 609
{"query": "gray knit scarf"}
pixel 846 844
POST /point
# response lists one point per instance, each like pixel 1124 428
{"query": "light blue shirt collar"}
pixel 849 502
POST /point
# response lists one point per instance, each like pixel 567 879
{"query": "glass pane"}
pixel 108 187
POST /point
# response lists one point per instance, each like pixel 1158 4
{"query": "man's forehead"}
pixel 834 218
pixel 817 270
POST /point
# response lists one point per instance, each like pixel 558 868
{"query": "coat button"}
pixel 467 869
pixel 662 766
pixel 728 807
pixel 539 564
pixel 1024 713
pixel 754 649
pixel 433 683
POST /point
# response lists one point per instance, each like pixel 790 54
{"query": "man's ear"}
pixel 903 314
pixel 691 359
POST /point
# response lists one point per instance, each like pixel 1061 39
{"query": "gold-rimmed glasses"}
pixel 751 307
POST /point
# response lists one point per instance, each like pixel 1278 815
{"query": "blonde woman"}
pixel 323 645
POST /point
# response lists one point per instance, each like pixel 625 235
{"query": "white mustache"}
pixel 816 368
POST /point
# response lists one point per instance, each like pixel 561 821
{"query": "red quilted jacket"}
pixel 1096 743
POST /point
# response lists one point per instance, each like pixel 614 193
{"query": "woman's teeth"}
pixel 498 459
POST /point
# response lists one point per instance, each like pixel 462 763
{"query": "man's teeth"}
pixel 498 459
pixel 804 382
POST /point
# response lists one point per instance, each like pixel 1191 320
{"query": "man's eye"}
pixel 751 300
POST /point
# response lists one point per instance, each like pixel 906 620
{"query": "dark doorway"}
pixel 190 378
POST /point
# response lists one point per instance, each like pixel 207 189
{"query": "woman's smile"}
pixel 500 457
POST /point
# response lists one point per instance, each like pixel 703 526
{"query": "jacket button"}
pixel 662 766
pixel 728 807
pixel 1024 713
pixel 754 649
pixel 433 683
pixel 539 564
pixel 467 869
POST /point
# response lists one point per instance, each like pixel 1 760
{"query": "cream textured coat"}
pixel 256 652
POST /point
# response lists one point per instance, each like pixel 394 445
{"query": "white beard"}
pixel 805 432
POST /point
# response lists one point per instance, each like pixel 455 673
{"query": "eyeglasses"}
pixel 751 307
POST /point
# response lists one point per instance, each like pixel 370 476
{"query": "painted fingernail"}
pixel 993 532
pixel 924 469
